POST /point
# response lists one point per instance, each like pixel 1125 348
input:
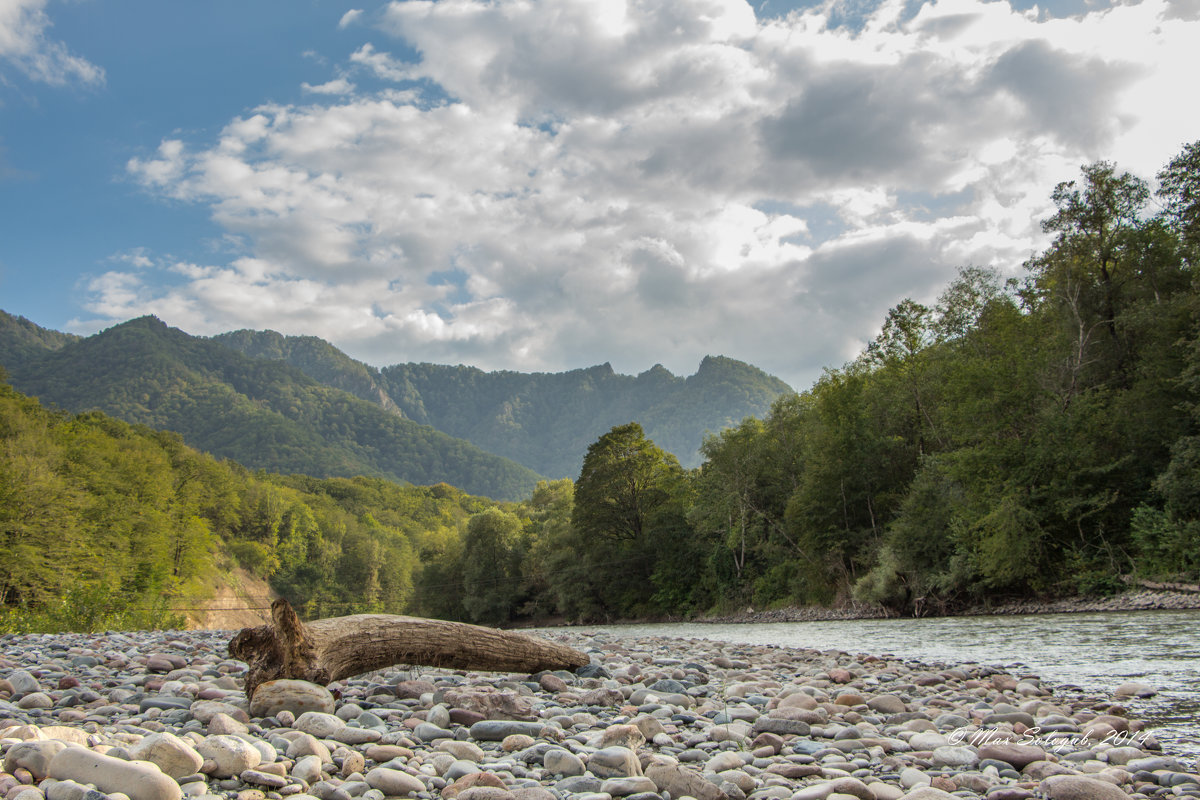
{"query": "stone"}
pixel 22 682
pixel 1040 770
pixel 1019 755
pixel 138 780
pixel 602 697
pixel 34 756
pixel 681 782
pixel 630 736
pixel 260 778
pixel 223 723
pixel 1134 689
pixel 561 762
pixel 1080 787
pixel 308 745
pixel 464 750
pixel 552 683
pixel 171 754
pixel 205 710
pixel 318 723
pixel 782 727
pixel 460 769
pixel 515 742
pixel 295 696
pixel 308 769
pixel 496 730
pixel 614 762
pixel 623 787
pixel 887 704
pixel 394 782
pixel 230 755
pixel 35 700
pixel 465 782
pixel 955 756
pixel 929 793
pixel 491 703
pixel 485 793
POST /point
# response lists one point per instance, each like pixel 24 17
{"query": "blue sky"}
pixel 550 184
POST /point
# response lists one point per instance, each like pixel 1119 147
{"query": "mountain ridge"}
pixel 261 413
pixel 542 420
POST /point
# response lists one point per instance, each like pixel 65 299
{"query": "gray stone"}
pixel 561 762
pixel 955 756
pixel 781 726
pixel 23 682
pixel 495 730
pixel 681 782
pixel 34 756
pixel 394 782
pixel 623 787
pixel 318 723
pixel 427 732
pixel 580 784
pixel 614 762
pixel 1080 787
pixel 295 696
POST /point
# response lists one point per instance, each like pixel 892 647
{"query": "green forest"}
pixel 1025 437
pixel 1036 436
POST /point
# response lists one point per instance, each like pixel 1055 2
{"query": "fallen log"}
pixel 328 650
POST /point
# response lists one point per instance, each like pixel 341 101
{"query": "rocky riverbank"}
pixel 1139 600
pixel 161 716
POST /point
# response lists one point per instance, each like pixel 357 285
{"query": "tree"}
pixel 491 571
pixel 622 499
pixel 621 484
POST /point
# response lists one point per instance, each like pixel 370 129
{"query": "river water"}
pixel 1090 653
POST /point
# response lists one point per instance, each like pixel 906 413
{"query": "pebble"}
pixel 161 716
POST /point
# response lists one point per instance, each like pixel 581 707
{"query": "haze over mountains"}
pixel 298 404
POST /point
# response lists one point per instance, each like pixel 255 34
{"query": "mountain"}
pixel 263 413
pixel 545 421
pixel 21 340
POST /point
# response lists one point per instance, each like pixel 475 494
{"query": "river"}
pixel 1092 652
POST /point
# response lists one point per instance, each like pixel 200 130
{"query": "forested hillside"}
pixel 262 413
pixel 1018 438
pixel 542 420
pixel 104 524
pixel 547 420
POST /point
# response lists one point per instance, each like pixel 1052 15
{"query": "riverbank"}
pixel 1137 600
pixel 161 716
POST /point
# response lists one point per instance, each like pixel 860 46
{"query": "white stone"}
pixel 294 696
pixel 173 756
pixel 139 780
pixel 232 755
pixel 318 723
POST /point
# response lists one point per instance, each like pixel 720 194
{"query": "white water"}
pixel 1094 652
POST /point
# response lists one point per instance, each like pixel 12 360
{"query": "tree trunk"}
pixel 328 650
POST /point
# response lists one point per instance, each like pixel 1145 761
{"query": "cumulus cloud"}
pixel 24 44
pixel 557 183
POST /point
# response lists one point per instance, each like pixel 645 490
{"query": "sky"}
pixel 544 185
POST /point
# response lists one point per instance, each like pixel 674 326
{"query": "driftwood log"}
pixel 328 650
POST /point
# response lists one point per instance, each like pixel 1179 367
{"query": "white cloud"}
pixel 25 45
pixel 336 86
pixel 350 17
pixel 579 181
